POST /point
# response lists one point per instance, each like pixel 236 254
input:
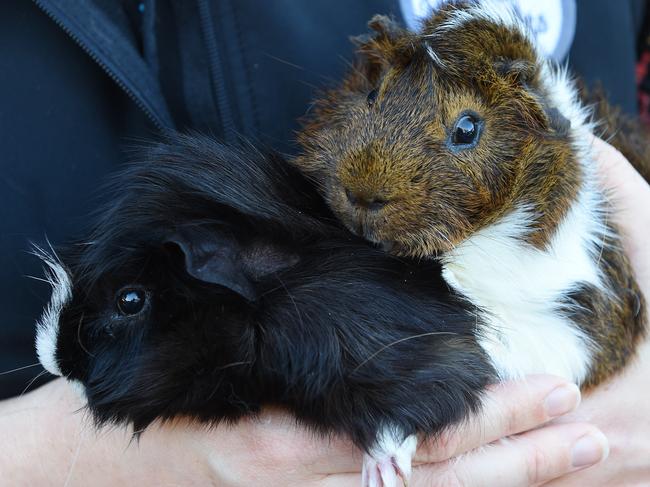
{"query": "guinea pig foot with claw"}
pixel 388 462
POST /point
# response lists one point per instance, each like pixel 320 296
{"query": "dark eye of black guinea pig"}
pixel 218 282
pixel 131 301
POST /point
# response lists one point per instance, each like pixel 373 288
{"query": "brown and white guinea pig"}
pixel 461 143
pixel 217 282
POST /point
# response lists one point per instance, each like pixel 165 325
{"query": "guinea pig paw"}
pixel 389 462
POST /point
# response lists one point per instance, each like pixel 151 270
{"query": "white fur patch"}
pixel 519 288
pixel 79 389
pixel 563 95
pixel 390 459
pixel 47 327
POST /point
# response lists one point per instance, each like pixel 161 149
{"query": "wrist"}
pixel 36 443
pixel 50 439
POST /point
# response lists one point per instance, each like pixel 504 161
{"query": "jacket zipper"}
pixel 151 114
pixel 216 72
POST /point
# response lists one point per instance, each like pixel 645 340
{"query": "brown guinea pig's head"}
pixel 436 134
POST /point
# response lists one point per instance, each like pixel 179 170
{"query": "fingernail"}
pixel 562 400
pixel 589 449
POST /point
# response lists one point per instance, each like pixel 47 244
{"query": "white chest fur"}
pixel 519 288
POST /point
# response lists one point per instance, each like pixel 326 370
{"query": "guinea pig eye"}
pixel 466 131
pixel 131 301
pixel 372 97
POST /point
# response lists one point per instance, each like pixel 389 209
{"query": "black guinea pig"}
pixel 217 282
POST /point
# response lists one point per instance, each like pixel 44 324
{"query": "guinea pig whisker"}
pixel 309 85
pixel 79 337
pixel 601 250
pixel 19 368
pixel 310 107
pixel 270 291
pixel 39 375
pixel 292 300
pixel 233 364
pixel 52 254
pixel 224 367
pixel 328 79
pixel 214 390
pixel 136 434
pixel 351 66
pixel 445 238
pixel 396 342
pixel 88 243
pixel 37 278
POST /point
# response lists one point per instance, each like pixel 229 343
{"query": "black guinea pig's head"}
pixel 151 312
pixel 156 326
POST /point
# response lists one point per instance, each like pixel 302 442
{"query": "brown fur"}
pixel 395 151
pixel 628 134
pixel 616 325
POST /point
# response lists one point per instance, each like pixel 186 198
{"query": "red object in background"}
pixel 643 84
pixel 643 69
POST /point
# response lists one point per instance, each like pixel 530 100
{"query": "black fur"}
pixel 344 336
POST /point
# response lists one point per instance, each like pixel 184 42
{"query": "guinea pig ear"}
pixel 215 256
pixel 385 31
pixel 385 27
pixel 388 43
pixel 524 73
pixel 262 258
pixel 519 71
pixel 556 120
pixel 212 257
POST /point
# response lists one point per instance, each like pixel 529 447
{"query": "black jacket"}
pixel 82 80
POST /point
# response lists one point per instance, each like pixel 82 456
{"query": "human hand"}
pixel 49 441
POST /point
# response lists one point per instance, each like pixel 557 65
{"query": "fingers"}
pixel 508 408
pixel 527 459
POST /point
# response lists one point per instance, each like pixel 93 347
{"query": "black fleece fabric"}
pixel 83 81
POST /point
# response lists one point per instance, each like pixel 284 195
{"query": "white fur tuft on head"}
pixel 499 12
pixel 434 56
pixel 47 327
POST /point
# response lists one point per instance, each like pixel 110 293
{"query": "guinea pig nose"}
pixel 372 204
pixel 351 197
pixel 376 204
